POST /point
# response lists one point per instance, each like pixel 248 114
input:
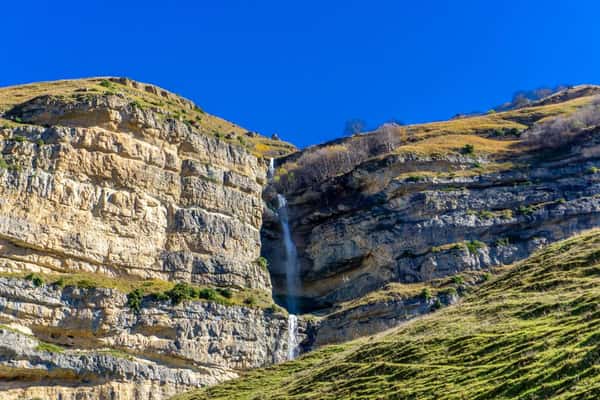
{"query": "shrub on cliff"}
pixel 251 301
pixel 563 130
pixel 134 300
pixel 474 245
pixel 262 262
pixel 320 163
pixel 426 294
pixel 225 292
pixel 36 279
pixel 468 149
pixel 180 292
pixel 208 294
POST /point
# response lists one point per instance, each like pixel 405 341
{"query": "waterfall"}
pixel 271 170
pixel 292 336
pixel 292 275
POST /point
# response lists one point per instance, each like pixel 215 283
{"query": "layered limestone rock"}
pixel 119 185
pixel 112 188
pixel 380 223
pixel 202 333
pixel 27 366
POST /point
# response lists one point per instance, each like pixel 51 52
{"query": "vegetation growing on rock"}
pixel 530 333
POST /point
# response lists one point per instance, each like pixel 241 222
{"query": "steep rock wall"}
pixel 117 190
pixel 377 224
pixel 101 184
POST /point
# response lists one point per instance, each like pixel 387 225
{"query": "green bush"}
pixel 468 149
pixel 262 262
pixel 40 142
pixel 451 292
pixel 36 279
pixel 106 83
pixel 458 280
pixel 415 178
pixel 486 277
pixel 207 294
pixel 18 138
pixel 526 210
pixel 437 304
pixel 426 294
pixel 250 301
pixel 180 292
pixel 225 292
pixel 136 104
pixel 161 296
pixel 134 300
pixel 474 245
pixel 60 282
pixel 592 170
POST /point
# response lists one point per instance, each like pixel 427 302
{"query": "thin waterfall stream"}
pixel 292 273
pixel 291 276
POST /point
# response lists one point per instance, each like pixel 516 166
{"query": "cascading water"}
pixel 271 170
pixel 291 276
pixel 292 335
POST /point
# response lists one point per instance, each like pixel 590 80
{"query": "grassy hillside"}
pixel 144 96
pixel 497 137
pixel 531 333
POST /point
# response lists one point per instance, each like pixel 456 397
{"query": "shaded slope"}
pixel 532 333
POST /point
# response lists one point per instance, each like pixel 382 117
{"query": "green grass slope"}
pixel 531 333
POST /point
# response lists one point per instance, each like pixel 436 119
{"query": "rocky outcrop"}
pixel 204 333
pixel 383 222
pixel 348 323
pixel 137 195
pixel 108 182
pixel 90 374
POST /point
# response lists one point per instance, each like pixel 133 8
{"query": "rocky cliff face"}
pixel 112 191
pixel 353 241
pixel 415 215
pixel 125 183
pixel 136 195
pixel 113 349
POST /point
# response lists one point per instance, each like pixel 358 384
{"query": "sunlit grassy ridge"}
pixel 145 96
pixel 497 138
pixel 531 333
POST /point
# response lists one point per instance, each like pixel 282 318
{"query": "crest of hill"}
pixel 143 95
pixel 529 333
pixel 497 136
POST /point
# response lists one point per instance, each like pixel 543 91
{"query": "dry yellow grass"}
pixel 465 126
pixel 143 95
pixel 456 142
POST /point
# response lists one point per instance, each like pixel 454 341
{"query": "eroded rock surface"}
pixel 105 181
pixel 120 190
pixel 374 225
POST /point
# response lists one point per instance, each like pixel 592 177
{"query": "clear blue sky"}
pixel 302 68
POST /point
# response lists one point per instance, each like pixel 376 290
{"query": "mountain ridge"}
pixel 142 248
